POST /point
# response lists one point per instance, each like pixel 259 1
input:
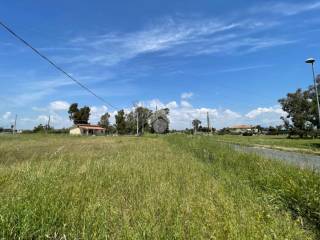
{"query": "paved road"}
pixel 299 159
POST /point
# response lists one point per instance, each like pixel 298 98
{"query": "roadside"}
pixel 272 146
pixel 301 160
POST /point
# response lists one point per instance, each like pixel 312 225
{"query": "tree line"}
pixel 125 123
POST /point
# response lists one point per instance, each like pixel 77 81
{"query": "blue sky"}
pixel 234 59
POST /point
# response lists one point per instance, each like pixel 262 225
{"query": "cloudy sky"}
pixel 233 59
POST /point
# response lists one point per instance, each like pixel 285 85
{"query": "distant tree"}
pixel 73 111
pixel 301 109
pixel 196 123
pixel 111 129
pixel 188 131
pixel 206 129
pixel 144 114
pixel 39 129
pixel 272 131
pixel 79 116
pixel 104 120
pixel 224 131
pixel 84 115
pixel 43 129
pixel 259 128
pixel 121 122
pixel 131 123
pixel 1 129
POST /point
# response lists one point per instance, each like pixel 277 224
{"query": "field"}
pixel 278 142
pixel 156 187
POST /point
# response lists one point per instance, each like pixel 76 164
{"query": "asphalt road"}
pixel 298 159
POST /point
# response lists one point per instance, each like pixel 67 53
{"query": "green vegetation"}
pixel 280 142
pixel 302 116
pixel 169 187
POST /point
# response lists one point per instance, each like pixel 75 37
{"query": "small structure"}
pixel 241 129
pixel 159 121
pixel 87 129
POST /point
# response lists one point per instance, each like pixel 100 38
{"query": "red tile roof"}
pixel 241 127
pixel 88 126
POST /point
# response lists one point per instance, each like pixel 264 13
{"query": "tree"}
pixel 79 116
pixel 39 129
pixel 259 128
pixel 131 123
pixel 224 131
pixel 84 115
pixel 104 120
pixel 196 123
pixel 302 112
pixel 143 114
pixel 73 111
pixel 121 122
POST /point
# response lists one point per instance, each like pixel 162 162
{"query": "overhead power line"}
pixel 53 64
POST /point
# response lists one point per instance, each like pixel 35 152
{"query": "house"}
pixel 87 129
pixel 241 129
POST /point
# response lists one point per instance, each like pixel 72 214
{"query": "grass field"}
pixel 165 187
pixel 280 142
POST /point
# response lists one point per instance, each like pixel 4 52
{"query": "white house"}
pixel 240 129
pixel 87 129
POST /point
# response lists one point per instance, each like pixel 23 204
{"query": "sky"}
pixel 233 59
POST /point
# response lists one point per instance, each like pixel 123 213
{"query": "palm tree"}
pixel 196 123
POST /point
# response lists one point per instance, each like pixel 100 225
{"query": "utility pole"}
pixel 137 121
pixel 208 121
pixel 48 125
pixel 142 120
pixel 15 125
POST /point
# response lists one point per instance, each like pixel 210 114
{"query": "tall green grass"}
pixel 54 187
pixel 285 187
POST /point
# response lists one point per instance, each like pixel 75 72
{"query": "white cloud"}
pixel 240 69
pixel 155 104
pixel 172 105
pixel 185 104
pixel 96 112
pixel 261 110
pixel 59 105
pixel 186 37
pixel 43 119
pixel 186 95
pixel 7 115
pixel 231 114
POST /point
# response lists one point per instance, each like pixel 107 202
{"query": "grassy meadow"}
pixel 156 187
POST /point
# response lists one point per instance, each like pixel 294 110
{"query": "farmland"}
pixel 156 187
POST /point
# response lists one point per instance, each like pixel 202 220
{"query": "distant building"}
pixel 87 129
pixel 240 129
